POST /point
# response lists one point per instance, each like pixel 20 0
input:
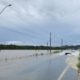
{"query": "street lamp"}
pixel 9 5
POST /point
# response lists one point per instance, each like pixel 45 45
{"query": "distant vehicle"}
pixel 67 53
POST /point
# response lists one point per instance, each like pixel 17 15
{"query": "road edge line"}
pixel 63 73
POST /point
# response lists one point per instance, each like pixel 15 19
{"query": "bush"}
pixel 78 65
pixel 36 54
pixel 42 54
pixel 79 58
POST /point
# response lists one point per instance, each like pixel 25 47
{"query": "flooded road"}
pixel 37 68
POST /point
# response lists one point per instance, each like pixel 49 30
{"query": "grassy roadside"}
pixel 78 65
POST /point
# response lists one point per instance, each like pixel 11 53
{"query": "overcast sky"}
pixel 31 21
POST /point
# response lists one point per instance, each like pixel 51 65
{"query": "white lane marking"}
pixel 63 73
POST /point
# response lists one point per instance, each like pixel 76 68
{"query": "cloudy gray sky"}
pixel 31 21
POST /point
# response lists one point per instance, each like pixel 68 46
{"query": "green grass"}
pixel 78 65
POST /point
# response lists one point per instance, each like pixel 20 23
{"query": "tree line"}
pixel 31 47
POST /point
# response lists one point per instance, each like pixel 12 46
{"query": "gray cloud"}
pixel 39 17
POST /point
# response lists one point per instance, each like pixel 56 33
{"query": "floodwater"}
pixel 45 67
pixel 71 75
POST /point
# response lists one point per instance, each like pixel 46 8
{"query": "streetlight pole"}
pixel 5 8
pixel 9 5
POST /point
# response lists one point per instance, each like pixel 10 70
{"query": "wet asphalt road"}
pixel 37 68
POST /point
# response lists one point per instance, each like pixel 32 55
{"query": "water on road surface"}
pixel 37 68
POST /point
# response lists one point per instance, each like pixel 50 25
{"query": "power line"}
pixel 34 37
pixel 61 42
pixel 28 33
pixel 23 21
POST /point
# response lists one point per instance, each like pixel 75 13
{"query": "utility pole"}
pixel 47 47
pixel 61 42
pixel 50 41
pixel 47 44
